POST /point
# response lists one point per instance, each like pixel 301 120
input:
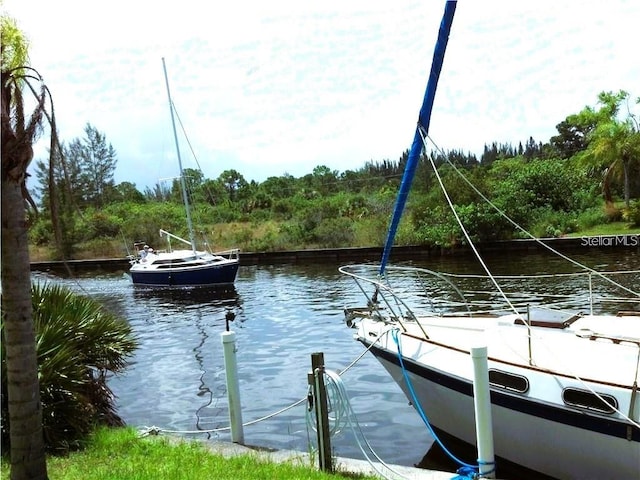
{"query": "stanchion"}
pixel 233 389
pixel 482 403
pixel 316 380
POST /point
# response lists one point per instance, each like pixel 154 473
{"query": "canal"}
pixel 283 313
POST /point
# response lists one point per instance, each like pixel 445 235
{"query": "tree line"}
pixel 565 184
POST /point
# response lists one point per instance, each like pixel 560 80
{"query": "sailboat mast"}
pixel 183 185
pixel 424 118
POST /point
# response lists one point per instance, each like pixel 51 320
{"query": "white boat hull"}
pixel 534 429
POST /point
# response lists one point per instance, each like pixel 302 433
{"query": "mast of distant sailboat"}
pixel 183 184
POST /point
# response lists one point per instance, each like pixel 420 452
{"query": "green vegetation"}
pixel 585 179
pixel 78 343
pixel 121 454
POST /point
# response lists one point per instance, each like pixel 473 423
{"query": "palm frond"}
pixel 78 343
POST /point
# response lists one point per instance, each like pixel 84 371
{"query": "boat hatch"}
pixel 508 381
pixel 585 399
pixel 538 317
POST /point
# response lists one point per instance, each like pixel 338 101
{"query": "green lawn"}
pixel 118 454
pixel 613 228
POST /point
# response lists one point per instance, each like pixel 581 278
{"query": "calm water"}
pixel 283 314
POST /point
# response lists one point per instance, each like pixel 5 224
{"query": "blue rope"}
pixel 466 470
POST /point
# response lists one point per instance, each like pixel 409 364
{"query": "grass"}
pixel 116 454
pixel 612 228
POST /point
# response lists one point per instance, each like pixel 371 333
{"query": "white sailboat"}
pixel 563 377
pixel 185 266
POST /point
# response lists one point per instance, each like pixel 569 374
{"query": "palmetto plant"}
pixel 78 344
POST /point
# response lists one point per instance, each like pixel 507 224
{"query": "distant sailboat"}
pixel 183 267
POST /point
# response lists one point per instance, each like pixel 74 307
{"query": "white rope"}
pixel 342 414
pixel 505 216
pixel 464 230
pixel 556 252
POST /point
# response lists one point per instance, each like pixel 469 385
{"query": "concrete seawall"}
pixel 371 254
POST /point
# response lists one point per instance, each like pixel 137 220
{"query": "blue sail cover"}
pixel 423 123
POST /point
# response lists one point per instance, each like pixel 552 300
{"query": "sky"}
pixel 280 87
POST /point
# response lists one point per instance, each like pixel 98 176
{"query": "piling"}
pixel 233 388
pixel 482 404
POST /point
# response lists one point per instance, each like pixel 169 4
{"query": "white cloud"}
pixel 283 86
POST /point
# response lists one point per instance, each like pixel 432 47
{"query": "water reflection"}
pixel 188 296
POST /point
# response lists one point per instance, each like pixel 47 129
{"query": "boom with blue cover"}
pixel 423 124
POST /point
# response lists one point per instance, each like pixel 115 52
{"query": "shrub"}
pixel 542 184
pixel 41 232
pixel 613 213
pixel 552 224
pixel 591 217
pixel 632 214
pixel 334 233
pixel 99 224
pixel 78 342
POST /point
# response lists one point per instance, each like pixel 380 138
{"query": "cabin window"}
pixel 586 399
pixel 170 261
pixel 508 381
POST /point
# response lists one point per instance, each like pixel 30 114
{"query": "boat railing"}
pixel 169 236
pixel 231 254
pixel 405 292
pixel 382 302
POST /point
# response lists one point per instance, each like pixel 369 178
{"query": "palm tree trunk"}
pixel 25 414
pixel 627 189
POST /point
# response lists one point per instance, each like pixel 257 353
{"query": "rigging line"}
pixel 464 230
pixel 337 182
pixel 535 276
pixel 209 193
pixel 341 409
pixel 190 193
pixel 252 422
pixel 185 135
pixel 424 119
pixel 359 357
pixel 530 235
pixel 577 377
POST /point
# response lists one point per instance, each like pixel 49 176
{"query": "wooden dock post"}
pixel 316 380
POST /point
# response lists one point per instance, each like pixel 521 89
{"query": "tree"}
pixel 279 187
pixel 19 132
pixel 65 177
pixel 572 135
pixel 234 182
pixel 159 193
pixel 97 162
pixel 325 180
pixel 127 192
pixel 193 180
pixel 614 144
pixel 213 191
